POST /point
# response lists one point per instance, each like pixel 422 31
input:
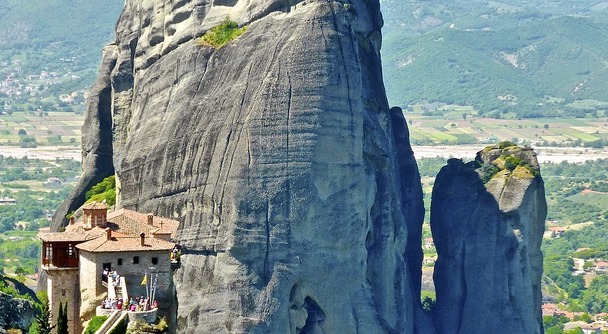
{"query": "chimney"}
pixel 142 238
pixel 72 220
pixel 108 234
pixel 150 219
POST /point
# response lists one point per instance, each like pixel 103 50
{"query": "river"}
pixel 545 154
pixel 42 152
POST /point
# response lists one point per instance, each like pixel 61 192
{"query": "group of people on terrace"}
pixel 134 305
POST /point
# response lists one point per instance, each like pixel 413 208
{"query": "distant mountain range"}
pixel 525 59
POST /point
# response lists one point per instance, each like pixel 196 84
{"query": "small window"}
pixel 136 260
pixel 119 262
pixel 154 260
pixel 63 292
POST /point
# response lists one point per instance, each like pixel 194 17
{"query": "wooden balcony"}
pixel 59 255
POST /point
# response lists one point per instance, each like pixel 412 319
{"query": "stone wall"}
pixel 63 286
pixel 90 285
pixel 91 265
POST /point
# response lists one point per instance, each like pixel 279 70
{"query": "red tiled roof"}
pixel 133 223
pixel 94 206
pixel 123 223
pixel 74 233
pixel 124 244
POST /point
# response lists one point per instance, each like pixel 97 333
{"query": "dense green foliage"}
pixel 42 322
pixel 559 278
pixel 20 251
pixel 103 191
pixel 25 180
pixel 225 32
pixel 121 327
pixel 564 184
pixel 518 60
pixel 15 288
pixel 95 324
pixel 554 324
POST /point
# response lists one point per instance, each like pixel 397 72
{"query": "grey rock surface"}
pixel 294 183
pixel 15 313
pixel 488 272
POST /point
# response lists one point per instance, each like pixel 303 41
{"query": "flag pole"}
pixel 154 288
pixel 147 291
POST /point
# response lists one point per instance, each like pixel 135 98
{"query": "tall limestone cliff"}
pixel 487 219
pixel 294 183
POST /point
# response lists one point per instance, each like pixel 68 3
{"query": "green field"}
pixel 598 199
pixel 54 128
pixel 456 129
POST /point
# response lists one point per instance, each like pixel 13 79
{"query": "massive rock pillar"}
pixel 487 218
pixel 294 184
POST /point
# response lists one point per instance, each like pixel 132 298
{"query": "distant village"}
pixel 18 87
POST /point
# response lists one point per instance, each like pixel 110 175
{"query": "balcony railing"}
pixel 60 262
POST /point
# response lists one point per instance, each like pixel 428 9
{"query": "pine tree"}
pixel 42 322
pixel 62 319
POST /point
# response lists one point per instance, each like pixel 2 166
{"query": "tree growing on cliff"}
pixel 42 322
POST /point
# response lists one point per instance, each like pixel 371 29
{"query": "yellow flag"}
pixel 145 280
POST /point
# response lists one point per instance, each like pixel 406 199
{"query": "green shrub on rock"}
pixel 103 191
pixel 219 35
pixel 95 324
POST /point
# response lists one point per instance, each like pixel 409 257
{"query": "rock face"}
pixel 15 313
pixel 294 182
pixel 488 272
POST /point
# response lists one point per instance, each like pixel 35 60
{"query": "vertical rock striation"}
pixel 294 183
pixel 488 236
